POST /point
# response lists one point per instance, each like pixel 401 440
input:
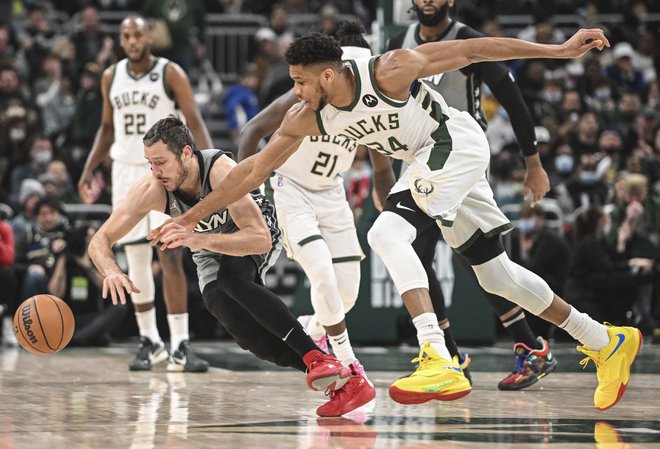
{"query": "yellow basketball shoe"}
pixel 435 378
pixel 613 364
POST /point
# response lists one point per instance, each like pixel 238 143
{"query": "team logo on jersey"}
pixel 369 101
pixel 423 187
pixel 153 76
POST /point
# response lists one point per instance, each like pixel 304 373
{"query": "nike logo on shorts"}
pixel 401 206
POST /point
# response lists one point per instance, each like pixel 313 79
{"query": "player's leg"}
pixel 238 277
pixel 533 357
pixel 175 292
pixel 391 238
pixel 475 234
pixel 249 334
pixel 139 256
pixel 425 246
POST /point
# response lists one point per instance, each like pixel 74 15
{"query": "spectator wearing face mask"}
pixel 587 187
pixel 41 153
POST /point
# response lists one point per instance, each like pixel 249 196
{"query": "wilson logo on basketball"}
pixel 369 101
pixel 27 323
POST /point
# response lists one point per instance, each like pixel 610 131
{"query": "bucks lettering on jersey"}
pixel 399 129
pixel 319 161
pixel 219 222
pixel 137 103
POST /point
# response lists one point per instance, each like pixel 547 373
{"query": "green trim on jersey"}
pixel 269 192
pixel 309 239
pixel 346 259
pixel 443 222
pixel 416 87
pixel 443 143
pixel 478 233
pixel 128 72
pixel 426 102
pixel 391 102
pixel 358 88
pixel 319 122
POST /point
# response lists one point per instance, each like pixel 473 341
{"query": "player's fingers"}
pixel 105 289
pixel 113 294
pixel 133 288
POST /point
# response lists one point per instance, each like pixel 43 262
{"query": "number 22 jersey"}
pixel 137 103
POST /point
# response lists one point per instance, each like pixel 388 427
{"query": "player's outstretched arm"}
pixel 264 124
pixel 300 121
pixel 446 56
pixel 147 195
pixel 252 237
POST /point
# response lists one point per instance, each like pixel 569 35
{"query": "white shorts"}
pixel 124 177
pixel 306 216
pixel 451 186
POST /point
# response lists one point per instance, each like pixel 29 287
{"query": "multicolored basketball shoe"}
pixel 464 361
pixel 531 365
pixel 354 394
pixel 613 364
pixel 435 378
pixel 325 372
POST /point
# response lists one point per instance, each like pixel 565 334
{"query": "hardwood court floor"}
pixel 86 398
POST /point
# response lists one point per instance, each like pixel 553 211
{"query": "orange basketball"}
pixel 43 324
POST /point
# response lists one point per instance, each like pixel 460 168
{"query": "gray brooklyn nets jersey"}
pixel 220 222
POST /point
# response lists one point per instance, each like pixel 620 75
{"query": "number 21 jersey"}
pixel 137 103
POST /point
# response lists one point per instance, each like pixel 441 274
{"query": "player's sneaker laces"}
pixel 531 365
pixel 184 359
pixel 435 378
pixel 322 342
pixel 148 355
pixel 613 364
pixel 325 372
pixel 355 393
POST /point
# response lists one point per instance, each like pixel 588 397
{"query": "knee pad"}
pixel 316 261
pixel 505 278
pixel 391 238
pixel 139 259
pixel 348 282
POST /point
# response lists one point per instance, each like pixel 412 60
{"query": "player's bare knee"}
pixel 171 262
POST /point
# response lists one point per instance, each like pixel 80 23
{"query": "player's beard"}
pixel 434 19
pixel 323 99
pixel 181 176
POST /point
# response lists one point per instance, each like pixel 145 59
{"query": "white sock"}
pixel 429 330
pixel 341 346
pixel 315 329
pixel 178 329
pixel 146 322
pixel 586 330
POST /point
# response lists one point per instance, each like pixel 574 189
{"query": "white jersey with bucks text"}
pixel 137 103
pixel 319 162
pixel 405 130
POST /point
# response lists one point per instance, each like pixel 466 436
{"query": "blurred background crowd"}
pixel 595 238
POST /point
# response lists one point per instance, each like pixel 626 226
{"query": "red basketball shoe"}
pixel 325 372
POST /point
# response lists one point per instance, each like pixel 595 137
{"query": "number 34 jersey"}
pixel 319 161
pixel 137 103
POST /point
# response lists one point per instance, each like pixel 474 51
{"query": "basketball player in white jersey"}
pixel 315 217
pixel 138 91
pixel 380 103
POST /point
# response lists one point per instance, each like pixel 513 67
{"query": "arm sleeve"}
pixel 499 79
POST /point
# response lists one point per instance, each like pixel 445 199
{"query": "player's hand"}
pixel 536 184
pixel 155 237
pixel 116 284
pixel 176 236
pixel 87 188
pixel 583 41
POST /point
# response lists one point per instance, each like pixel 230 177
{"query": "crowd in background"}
pixel 595 239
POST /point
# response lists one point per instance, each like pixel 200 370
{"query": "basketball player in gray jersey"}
pixel 461 89
pixel 233 246
pixel 380 103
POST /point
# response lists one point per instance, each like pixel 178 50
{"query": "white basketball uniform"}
pixel 137 103
pixel 311 201
pixel 446 150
